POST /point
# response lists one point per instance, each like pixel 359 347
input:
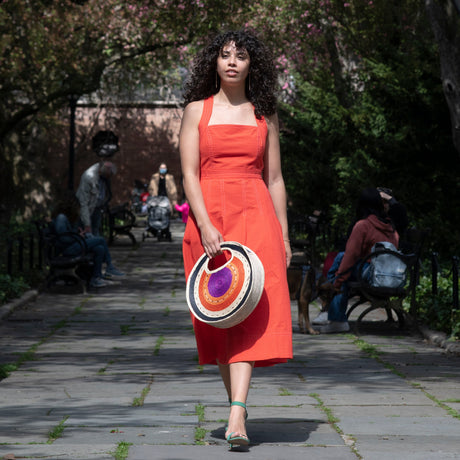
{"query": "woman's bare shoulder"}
pixel 272 122
pixel 194 109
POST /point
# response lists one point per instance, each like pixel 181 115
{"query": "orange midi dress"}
pixel 240 207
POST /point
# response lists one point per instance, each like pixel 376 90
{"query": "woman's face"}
pixel 233 64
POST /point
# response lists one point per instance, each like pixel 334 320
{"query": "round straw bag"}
pixel 224 291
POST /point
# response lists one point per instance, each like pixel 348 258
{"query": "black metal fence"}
pixel 22 252
pixel 436 271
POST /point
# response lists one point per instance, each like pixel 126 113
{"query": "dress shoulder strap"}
pixel 207 111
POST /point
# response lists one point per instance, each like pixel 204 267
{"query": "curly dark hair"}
pixel 261 91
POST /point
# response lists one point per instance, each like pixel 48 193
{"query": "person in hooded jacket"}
pixel 372 227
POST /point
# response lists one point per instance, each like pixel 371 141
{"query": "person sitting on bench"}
pixel 66 219
pixel 372 227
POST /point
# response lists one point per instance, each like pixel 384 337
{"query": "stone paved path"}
pixel 114 374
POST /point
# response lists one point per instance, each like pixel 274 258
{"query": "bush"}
pixel 435 311
pixel 11 288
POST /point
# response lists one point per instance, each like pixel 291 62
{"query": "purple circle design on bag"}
pixel 220 282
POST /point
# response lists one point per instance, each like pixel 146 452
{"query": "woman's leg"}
pixel 240 379
pixel 224 370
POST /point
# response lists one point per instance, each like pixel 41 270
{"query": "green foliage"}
pixel 11 288
pixel 435 311
pixel 362 98
pixel 370 112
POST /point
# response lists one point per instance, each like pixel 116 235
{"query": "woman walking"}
pixel 230 155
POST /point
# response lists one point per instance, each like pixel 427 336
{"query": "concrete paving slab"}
pixel 410 426
pixel 101 357
pixel 253 453
pixel 423 447
pixel 94 451
pixel 113 435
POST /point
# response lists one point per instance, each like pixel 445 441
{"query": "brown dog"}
pixel 302 291
pixel 305 291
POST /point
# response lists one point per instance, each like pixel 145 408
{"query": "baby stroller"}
pixel 158 216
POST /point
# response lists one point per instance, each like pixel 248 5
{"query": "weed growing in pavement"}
pixel 373 352
pixel 56 432
pixel 138 402
pixel 449 410
pixel 200 433
pixel 122 450
pixel 6 369
pixel 159 342
pixel 333 421
pixel 166 311
pixel 29 355
pixel 284 392
pixel 199 410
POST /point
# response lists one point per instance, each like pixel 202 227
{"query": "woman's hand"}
pixel 287 247
pixel 211 240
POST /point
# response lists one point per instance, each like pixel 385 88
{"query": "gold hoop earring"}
pixel 249 82
pixel 217 81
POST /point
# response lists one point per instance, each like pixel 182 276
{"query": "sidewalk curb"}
pixel 439 339
pixel 28 296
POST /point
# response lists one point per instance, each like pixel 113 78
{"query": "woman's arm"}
pixel 189 146
pixel 273 177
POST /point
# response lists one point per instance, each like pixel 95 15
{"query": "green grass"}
pixel 159 342
pixel 284 392
pixel 200 433
pixel 122 450
pixel 138 402
pixel 199 410
pixel 57 431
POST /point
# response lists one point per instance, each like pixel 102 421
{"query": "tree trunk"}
pixel 445 22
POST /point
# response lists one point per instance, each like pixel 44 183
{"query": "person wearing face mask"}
pixel 162 184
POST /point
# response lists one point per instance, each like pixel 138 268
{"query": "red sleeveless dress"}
pixel 240 207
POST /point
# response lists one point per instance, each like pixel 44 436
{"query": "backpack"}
pixel 385 269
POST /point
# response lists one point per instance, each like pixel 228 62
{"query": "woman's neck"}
pixel 231 96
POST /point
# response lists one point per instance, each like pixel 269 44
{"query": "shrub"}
pixel 11 288
pixel 435 311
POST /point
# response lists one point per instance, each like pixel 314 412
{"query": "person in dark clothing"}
pixel 395 210
pixel 162 184
pixel 372 227
pixel 66 220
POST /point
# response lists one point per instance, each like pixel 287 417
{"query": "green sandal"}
pixel 241 439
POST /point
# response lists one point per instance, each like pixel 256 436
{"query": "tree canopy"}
pixel 361 99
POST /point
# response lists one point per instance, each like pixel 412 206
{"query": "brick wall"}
pixel 147 136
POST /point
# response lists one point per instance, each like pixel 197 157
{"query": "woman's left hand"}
pixel 287 247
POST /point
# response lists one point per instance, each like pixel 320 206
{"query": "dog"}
pixel 305 287
pixel 301 284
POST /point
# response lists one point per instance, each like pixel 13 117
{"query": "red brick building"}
pixel 147 135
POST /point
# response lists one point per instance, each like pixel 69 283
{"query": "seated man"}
pixel 372 227
pixel 66 219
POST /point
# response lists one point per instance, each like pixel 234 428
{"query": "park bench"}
pixel 69 270
pixel 391 299
pixel 388 298
pixel 120 222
